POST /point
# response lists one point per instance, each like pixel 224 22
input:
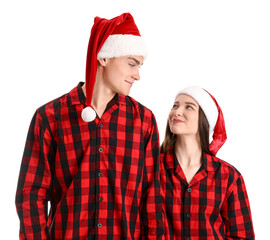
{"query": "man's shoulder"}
pixel 141 108
pixel 62 103
pixel 53 105
pixel 146 116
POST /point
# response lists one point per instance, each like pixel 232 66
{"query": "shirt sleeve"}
pixel 151 210
pixel 236 212
pixel 34 181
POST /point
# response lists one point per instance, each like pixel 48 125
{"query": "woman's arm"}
pixel 236 212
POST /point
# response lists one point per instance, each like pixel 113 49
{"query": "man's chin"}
pixel 125 93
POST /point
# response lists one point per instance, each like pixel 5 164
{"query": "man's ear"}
pixel 103 61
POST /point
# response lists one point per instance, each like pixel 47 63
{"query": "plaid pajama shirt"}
pixel 214 205
pixel 101 178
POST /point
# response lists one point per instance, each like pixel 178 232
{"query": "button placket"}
pixel 186 213
pixel 100 175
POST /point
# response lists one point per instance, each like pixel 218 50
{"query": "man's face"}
pixel 120 73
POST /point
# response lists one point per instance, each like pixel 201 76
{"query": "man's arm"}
pixel 34 181
pixel 151 210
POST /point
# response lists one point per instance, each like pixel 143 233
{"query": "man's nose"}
pixel 136 74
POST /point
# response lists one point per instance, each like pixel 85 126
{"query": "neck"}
pixel 188 150
pixel 101 95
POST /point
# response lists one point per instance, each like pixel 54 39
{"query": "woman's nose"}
pixel 179 111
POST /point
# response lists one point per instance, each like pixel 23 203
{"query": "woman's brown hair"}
pixel 170 138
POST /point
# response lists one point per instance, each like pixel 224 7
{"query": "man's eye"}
pixel 131 64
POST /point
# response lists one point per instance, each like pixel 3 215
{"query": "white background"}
pixel 223 46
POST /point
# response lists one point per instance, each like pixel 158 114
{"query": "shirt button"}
pixel 189 189
pixel 100 174
pixel 100 149
pixel 188 238
pixel 99 225
pixel 100 199
pixel 101 125
pixel 188 215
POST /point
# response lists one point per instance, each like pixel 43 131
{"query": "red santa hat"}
pixel 116 37
pixel 213 114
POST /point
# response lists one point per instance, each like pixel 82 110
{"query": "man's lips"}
pixel 129 82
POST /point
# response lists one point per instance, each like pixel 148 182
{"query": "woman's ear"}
pixel 103 61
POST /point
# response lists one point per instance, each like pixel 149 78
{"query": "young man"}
pixel 94 152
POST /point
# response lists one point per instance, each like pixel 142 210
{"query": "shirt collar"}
pixel 118 99
pixel 77 96
pixel 170 160
pixel 211 163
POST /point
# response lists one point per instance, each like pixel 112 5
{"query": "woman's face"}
pixel 184 116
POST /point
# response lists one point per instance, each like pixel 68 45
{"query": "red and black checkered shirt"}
pixel 101 178
pixel 214 205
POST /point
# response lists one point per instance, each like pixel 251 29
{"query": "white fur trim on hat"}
pixel 206 103
pixel 120 45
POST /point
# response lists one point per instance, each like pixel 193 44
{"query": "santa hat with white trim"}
pixel 213 114
pixel 116 37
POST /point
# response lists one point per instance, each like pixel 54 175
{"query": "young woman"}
pixel 203 196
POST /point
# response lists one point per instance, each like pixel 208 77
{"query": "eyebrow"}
pixel 135 60
pixel 190 103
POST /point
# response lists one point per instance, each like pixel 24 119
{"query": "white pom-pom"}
pixel 88 114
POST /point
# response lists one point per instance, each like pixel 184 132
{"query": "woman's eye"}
pixel 174 106
pixel 131 64
pixel 188 107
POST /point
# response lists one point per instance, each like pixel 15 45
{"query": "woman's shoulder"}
pixel 224 167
